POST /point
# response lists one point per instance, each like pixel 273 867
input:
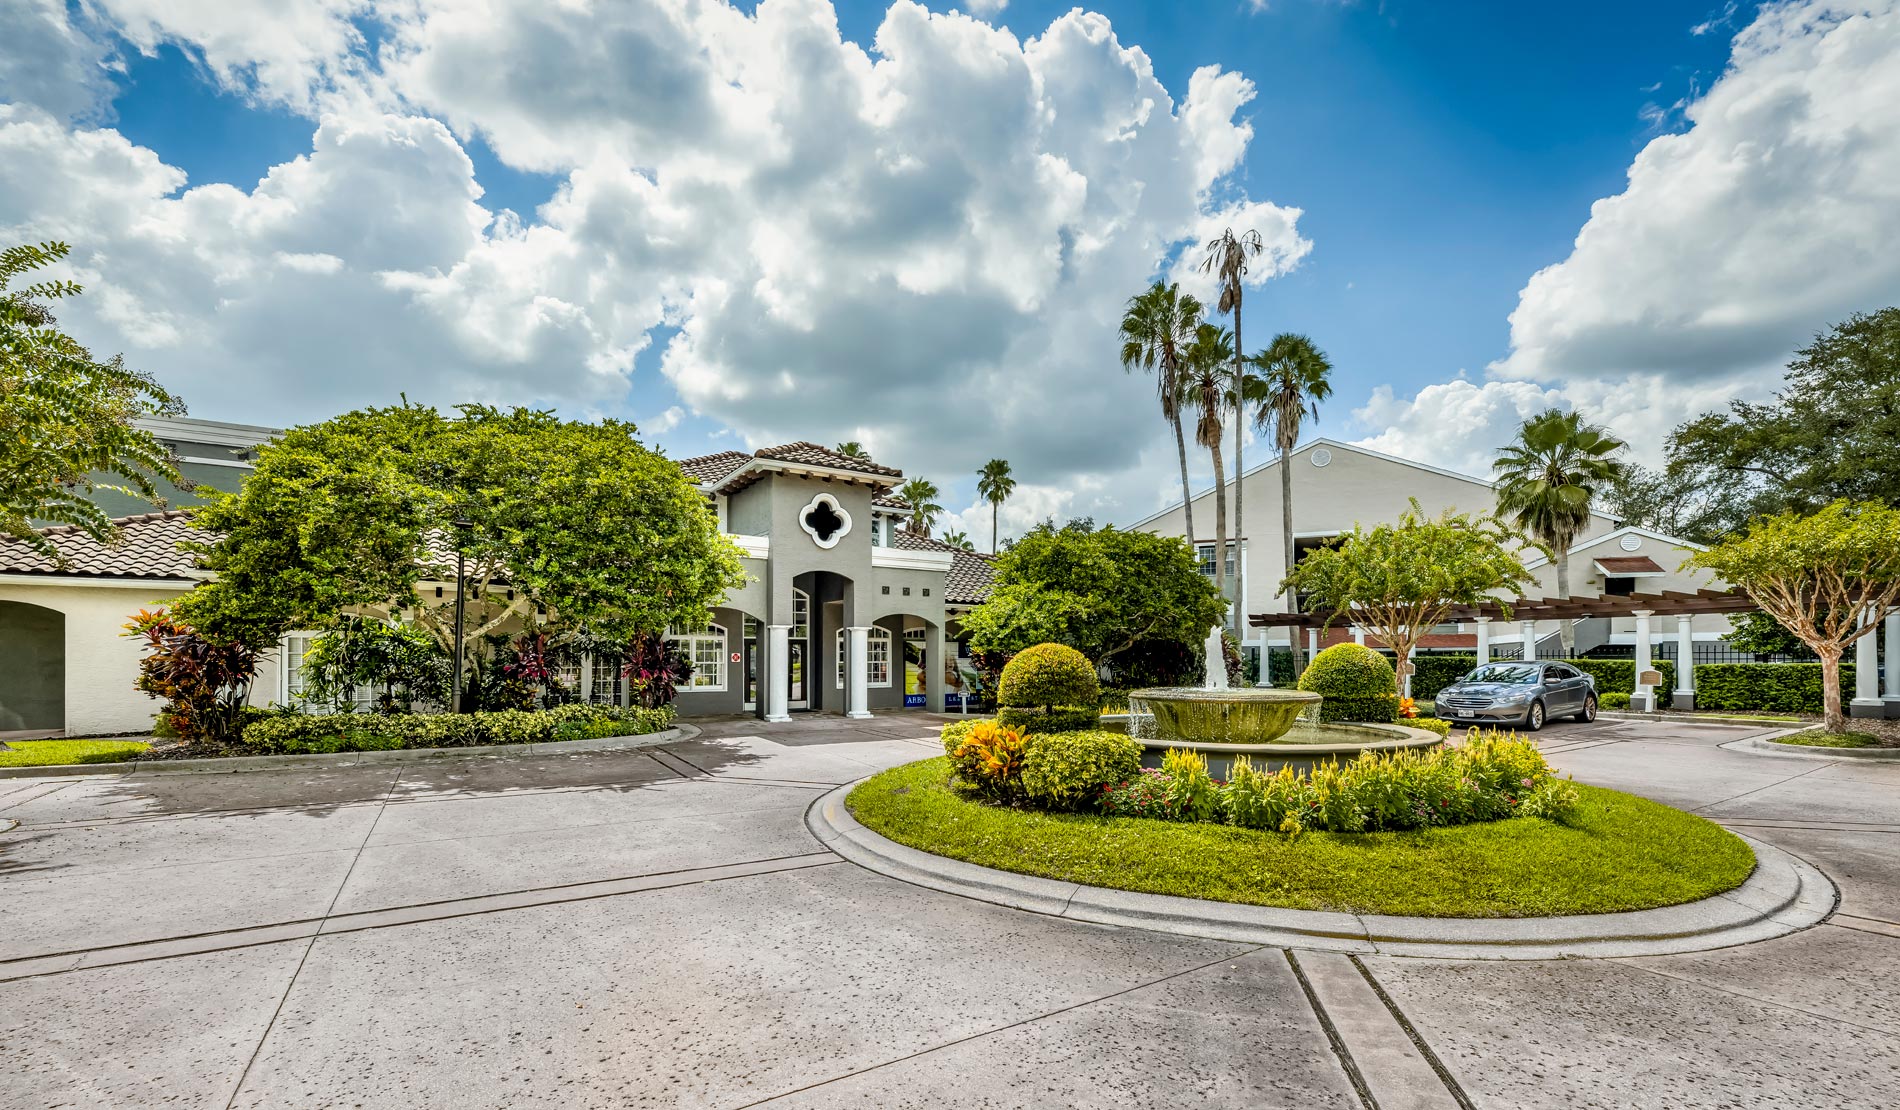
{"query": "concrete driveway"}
pixel 658 928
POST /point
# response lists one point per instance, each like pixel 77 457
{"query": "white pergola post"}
pixel 857 665
pixel 1685 662
pixel 1484 640
pixel 1312 643
pixel 776 675
pixel 587 677
pixel 1643 697
pixel 1358 635
pixel 1528 629
pixel 1867 701
pixel 1892 695
pixel 1266 659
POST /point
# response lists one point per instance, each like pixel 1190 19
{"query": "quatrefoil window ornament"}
pixel 825 521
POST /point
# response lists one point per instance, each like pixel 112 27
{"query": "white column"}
pixel 1359 635
pixel 586 691
pixel 776 675
pixel 1685 662
pixel 1484 640
pixel 1643 698
pixel 857 665
pixel 1265 646
pixel 1312 643
pixel 1529 631
pixel 1867 701
pixel 1892 697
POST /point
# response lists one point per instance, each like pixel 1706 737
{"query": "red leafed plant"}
pixel 204 682
pixel 654 670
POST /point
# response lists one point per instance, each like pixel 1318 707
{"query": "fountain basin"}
pixel 1301 747
pixel 1246 716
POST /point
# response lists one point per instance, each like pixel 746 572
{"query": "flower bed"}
pixel 362 732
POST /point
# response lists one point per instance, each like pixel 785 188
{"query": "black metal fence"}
pixel 1717 652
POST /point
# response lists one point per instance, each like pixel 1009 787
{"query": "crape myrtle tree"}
pixel 66 417
pixel 561 523
pixel 1828 577
pixel 1399 580
pixel 1102 593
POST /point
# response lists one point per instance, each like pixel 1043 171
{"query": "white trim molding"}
pixel 102 581
pixel 752 547
pixel 901 559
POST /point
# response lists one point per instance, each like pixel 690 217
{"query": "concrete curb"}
pixel 1685 718
pixel 1784 895
pixel 1765 745
pixel 240 763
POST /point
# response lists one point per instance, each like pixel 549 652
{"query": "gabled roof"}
pixel 1536 561
pixel 971 572
pixel 148 548
pixel 711 468
pixel 811 454
pixel 890 501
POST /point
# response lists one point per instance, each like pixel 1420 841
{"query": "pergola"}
pixel 1528 611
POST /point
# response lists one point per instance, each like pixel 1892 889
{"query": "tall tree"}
pixel 921 494
pixel 67 418
pixel 994 484
pixel 1830 578
pixel 1547 477
pixel 1204 389
pixel 1828 435
pixel 1227 258
pixel 1295 375
pixel 852 449
pixel 1156 327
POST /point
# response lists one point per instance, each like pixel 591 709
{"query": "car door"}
pixel 1561 694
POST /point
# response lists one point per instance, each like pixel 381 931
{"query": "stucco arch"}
pixel 32 667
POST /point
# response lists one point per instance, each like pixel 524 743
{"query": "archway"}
pixel 32 668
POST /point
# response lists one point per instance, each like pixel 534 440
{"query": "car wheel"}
pixel 1589 712
pixel 1534 720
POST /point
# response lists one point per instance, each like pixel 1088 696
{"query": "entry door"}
pixel 798 698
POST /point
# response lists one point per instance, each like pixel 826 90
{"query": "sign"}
pixel 735 657
pixel 1649 678
pixel 1406 668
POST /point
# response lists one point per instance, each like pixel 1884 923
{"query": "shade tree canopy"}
pixel 568 523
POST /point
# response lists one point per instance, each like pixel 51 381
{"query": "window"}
pixel 567 674
pixel 607 679
pixel 877 658
pixel 295 645
pixel 1205 552
pixel 706 647
pixel 801 615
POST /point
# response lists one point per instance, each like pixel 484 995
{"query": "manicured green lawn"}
pixel 45 753
pixel 1621 853
pixel 1821 738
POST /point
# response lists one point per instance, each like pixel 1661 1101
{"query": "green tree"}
pixel 1228 259
pixel 921 494
pixel 1156 328
pixel 573 524
pixel 1684 504
pixel 1102 593
pixel 1295 375
pixel 1398 580
pixel 1829 577
pixel 1204 389
pixel 66 417
pixel 1828 435
pixel 1547 477
pixel 959 540
pixel 852 449
pixel 994 484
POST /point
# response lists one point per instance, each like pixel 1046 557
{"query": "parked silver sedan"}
pixel 1525 694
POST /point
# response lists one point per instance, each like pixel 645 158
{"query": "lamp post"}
pixel 461 527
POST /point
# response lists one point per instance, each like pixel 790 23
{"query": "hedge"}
pixel 1774 687
pixel 362 732
pixel 1435 672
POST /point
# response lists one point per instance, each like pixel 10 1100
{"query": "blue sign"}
pixel 913 701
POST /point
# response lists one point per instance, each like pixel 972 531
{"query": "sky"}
pixel 916 226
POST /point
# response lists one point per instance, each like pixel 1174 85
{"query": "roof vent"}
pixel 1321 456
pixel 1631 543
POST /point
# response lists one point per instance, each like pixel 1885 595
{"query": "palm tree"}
pixel 1546 479
pixel 921 494
pixel 1204 388
pixel 958 539
pixel 852 449
pixel 1156 327
pixel 994 484
pixel 1293 373
pixel 1226 259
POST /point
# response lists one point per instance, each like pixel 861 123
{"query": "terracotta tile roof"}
pixel 971 572
pixel 711 468
pixel 1629 564
pixel 890 501
pixel 148 549
pixel 811 454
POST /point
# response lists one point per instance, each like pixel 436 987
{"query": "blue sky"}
pixel 1439 155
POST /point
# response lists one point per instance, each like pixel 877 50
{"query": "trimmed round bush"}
pixel 1059 719
pixel 1357 683
pixel 1067 770
pixel 1049 676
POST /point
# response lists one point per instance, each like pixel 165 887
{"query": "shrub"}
pixel 1430 724
pixel 1357 683
pixel 954 733
pixel 1067 770
pixel 989 757
pixel 1774 687
pixel 1061 719
pixel 1435 672
pixel 1619 675
pixel 358 732
pixel 1192 792
pixel 1149 794
pixel 1049 676
pixel 1615 699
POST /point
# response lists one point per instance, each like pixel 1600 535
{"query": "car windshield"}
pixel 1520 674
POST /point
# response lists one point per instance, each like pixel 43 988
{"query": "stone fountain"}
pixel 1272 727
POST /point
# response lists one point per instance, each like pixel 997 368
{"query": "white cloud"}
pixel 665 422
pixel 1772 216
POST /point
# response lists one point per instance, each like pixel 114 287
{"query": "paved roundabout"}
pixel 660 927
